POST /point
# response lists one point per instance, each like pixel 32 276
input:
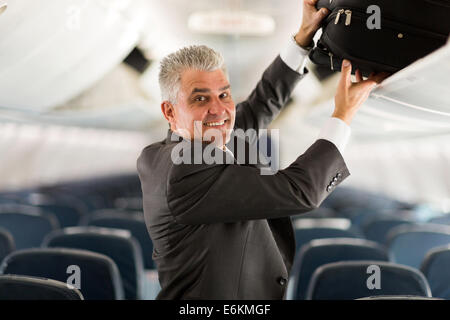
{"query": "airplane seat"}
pixel 133 222
pixel 129 203
pixel 11 198
pixel 116 187
pixel 14 287
pixel 361 206
pixel 445 219
pixel 349 197
pixel 7 200
pixel 322 251
pixel 67 209
pixel 349 280
pixel 436 267
pixel 28 228
pixel 99 278
pixel 98 192
pixel 21 208
pixel 309 229
pixel 408 244
pixel 109 212
pixel 399 297
pixel 117 244
pixel 378 227
pixel 67 216
pixel 6 243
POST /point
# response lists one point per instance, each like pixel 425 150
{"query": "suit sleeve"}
pixel 271 94
pixel 204 194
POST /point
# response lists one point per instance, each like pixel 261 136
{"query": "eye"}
pixel 224 95
pixel 200 98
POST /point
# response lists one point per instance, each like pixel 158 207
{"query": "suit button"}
pixel 329 188
pixel 335 179
pixel 333 183
pixel 282 281
pixel 339 175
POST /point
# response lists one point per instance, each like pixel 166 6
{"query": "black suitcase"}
pixel 410 30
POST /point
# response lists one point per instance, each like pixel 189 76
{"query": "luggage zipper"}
pixel 331 60
pixel 338 16
pixel 348 19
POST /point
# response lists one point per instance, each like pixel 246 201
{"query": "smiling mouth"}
pixel 215 124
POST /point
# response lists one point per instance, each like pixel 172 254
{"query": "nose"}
pixel 217 108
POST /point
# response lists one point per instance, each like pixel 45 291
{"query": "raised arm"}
pixel 203 194
pixel 279 80
pixel 268 98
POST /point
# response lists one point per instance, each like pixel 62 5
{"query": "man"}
pixel 222 231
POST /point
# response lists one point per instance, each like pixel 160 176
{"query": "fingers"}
pixel 364 85
pixel 346 70
pixel 358 76
pixel 321 14
pixel 310 4
pixel 379 77
pixel 368 85
pixel 373 80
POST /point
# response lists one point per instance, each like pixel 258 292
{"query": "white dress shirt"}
pixel 335 130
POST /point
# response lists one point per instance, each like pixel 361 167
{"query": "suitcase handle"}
pixel 445 3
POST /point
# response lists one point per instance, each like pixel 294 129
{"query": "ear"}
pixel 169 112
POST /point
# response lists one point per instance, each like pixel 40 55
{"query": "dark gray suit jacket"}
pixel 223 231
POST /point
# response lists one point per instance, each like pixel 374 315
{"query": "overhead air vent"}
pixel 137 60
pixel 231 23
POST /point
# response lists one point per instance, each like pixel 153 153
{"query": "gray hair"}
pixel 193 57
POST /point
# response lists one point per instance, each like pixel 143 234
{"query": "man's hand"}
pixel 310 23
pixel 350 96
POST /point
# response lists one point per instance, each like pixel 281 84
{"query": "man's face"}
pixel 204 106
